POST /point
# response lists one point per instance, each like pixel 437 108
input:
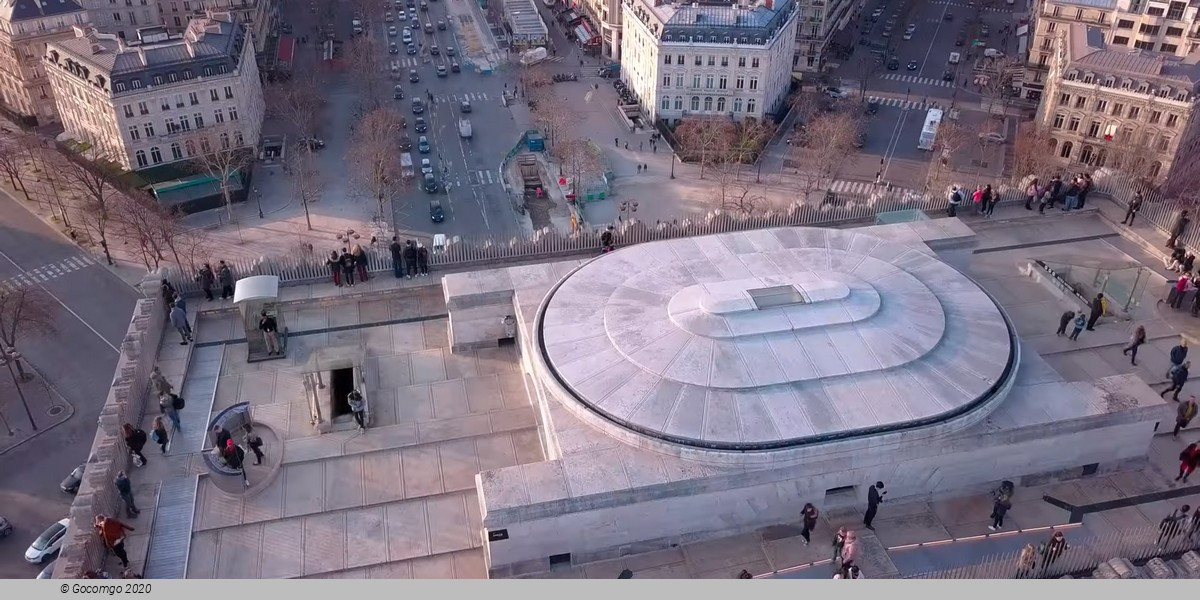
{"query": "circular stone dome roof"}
pixel 773 338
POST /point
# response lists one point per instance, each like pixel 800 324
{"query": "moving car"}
pixel 465 107
pixel 392 31
pixel 907 35
pixel 434 50
pixel 441 25
pixel 424 5
pixel 430 186
pixel 441 70
pixel 413 76
pixel 834 92
pixel 420 126
pixel 397 93
pixel 948 76
pixel 913 66
pixel 958 41
pixel 407 36
pixel 426 166
pixel 411 49
pixel 423 145
pixel 949 16
pixel 405 142
pixel 392 49
pixel 454 68
pixel 429 28
pixel 418 106
pixel 436 214
pixel 70 485
pixel 48 543
pixel 450 51
pixel 893 64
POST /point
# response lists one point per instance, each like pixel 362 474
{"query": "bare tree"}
pixel 139 219
pixel 704 139
pixel 951 138
pixel 995 84
pixel 581 160
pixel 299 101
pixel 223 157
pixel 749 139
pixel 307 182
pixel 827 141
pixel 44 161
pixel 95 181
pixel 1033 152
pixel 367 64
pixel 24 311
pixel 869 65
pixel 12 164
pixel 728 192
pixel 373 157
pixel 550 114
pixel 535 77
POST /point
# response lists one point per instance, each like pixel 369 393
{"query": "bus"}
pixel 929 132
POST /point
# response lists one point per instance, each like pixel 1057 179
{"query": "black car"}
pixel 948 76
pixel 893 64
pixel 430 185
pixel 418 106
pixel 958 41
pixel 397 93
pixel 436 214
pixel 405 143
pixel 70 485
pixel 392 49
pixel 413 76
pixel 411 49
pixel 313 143
pixel 434 50
pixel 860 140
pixel 872 108
pixel 465 107
pixel 454 68
pixel 420 126
pixel 441 25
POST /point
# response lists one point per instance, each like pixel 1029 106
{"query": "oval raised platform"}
pixel 771 339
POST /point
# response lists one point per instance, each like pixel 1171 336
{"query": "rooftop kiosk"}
pixel 329 375
pixel 253 296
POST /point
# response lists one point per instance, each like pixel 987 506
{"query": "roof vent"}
pixel 774 297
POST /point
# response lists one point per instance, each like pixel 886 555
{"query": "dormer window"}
pixel 206 71
pixel 172 77
pixel 187 73
pixel 221 69
pixel 1109 81
pixel 158 80
pixel 1163 92
pixel 1126 84
pixel 119 86
pixel 1182 96
pixel 136 84
pixel 1143 88
pixel 1072 75
pixel 1088 77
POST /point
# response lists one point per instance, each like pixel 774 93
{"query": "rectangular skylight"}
pixel 780 295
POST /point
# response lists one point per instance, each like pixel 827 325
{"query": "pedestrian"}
pixel 1187 462
pixel 270 331
pixel 358 406
pixel 220 436
pixel 235 458
pixel 346 260
pixel 809 515
pixel 181 303
pixel 1136 340
pixel 1132 207
pixel 1097 306
pixel 977 199
pixel 167 291
pixel 1085 187
pixel 179 320
pixel 645 167
pixel 1026 562
pixel 410 258
pixel 839 542
pixel 990 200
pixel 159 382
pixel 360 260
pixel 1178 228
pixel 1072 195
pixel 158 433
pixel 1174 262
pixel 1179 377
pixel 849 553
pixel 422 259
pixel 1032 192
pixel 1189 262
pixel 639 168
pixel 206 278
pixel 1172 524
pixel 1054 190
pixel 225 278
pixel 1053 550
pixel 874 497
pixel 640 146
pixel 626 145
pixel 1177 355
pixel 170 405
pixel 125 489
pixel 1184 414
pixel 397 253
pixel 1182 285
pixel 334 262
pixel 955 201
pixel 999 508
pixel 617 142
pixel 1080 323
pixel 254 442
pixel 1063 321
pixel 135 440
pixel 112 532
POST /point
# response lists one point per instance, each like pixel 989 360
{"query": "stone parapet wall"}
pixel 83 550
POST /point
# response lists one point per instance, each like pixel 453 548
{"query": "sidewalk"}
pixel 46 405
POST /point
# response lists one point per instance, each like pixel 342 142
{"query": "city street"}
pixel 93 307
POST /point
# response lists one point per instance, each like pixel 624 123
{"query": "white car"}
pixel 838 93
pixel 426 166
pixel 392 31
pixel 48 543
pixel 908 35
pixel 991 137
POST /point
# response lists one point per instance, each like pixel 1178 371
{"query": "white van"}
pixel 993 53
pixel 395 69
pixel 955 58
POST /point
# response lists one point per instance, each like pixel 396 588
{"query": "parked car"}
pixel 70 485
pixel 991 137
pixel 436 214
pixel 423 145
pixel 420 126
pixel 314 144
pixel 388 17
pixel 441 70
pixel 405 142
pixel 835 92
pixel 47 571
pixel 47 544
pixel 872 108
pixel 958 41
pixel 465 107
pixel 860 140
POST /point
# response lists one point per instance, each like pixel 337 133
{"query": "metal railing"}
pixel 1156 209
pixel 1080 558
pixel 465 252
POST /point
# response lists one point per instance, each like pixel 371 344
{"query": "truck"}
pixel 406 166
pixel 533 56
pixel 464 128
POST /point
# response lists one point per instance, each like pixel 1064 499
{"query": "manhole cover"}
pixel 54 411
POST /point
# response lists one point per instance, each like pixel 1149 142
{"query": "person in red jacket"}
pixel 112 532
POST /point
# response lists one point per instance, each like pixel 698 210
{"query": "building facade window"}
pixel 678 102
pixel 666 103
pixel 722 82
pixel 750 109
pixel 176 151
pixel 135 134
pixel 1066 150
pixel 224 141
pixel 219 115
pixel 1059 119
pixel 739 83
pixel 155 155
pixel 140 157
pixel 737 105
pixel 721 104
pixel 708 104
pixel 695 103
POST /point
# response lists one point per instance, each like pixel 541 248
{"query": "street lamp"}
pixel 9 357
pixel 626 209
pixel 672 163
pixel 258 201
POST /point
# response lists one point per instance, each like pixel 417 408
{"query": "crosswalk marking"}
pixel 469 96
pixel 864 188
pixel 483 177
pixel 965 7
pixel 48 272
pixel 899 103
pixel 916 79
